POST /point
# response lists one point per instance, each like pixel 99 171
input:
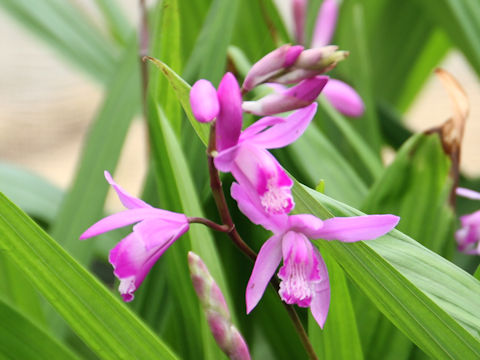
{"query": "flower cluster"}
pixel 468 236
pixel 262 188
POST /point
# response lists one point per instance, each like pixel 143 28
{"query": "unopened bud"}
pixel 312 62
pixel 344 98
pixel 204 101
pixel 296 97
pixel 299 12
pixel 271 64
pixel 218 317
pixel 326 23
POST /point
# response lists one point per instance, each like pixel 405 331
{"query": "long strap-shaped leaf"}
pixel 102 322
pixel 428 298
pixel 21 338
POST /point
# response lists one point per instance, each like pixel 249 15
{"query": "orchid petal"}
pixel 253 210
pixel 325 24
pixel 224 160
pixel 255 168
pixel 344 98
pixel 122 219
pixel 467 193
pixel 321 300
pixel 356 228
pixel 286 132
pixel 127 200
pixel 229 119
pixel 155 233
pixel 266 263
pixel 306 224
pixel 204 101
pixel 260 125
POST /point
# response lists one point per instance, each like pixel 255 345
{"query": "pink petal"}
pixel 325 24
pixel 133 257
pixel 356 228
pixel 267 262
pixel 224 160
pixel 271 64
pixel 286 132
pixel 299 12
pixel 122 219
pixel 296 97
pixel 155 233
pixel 260 125
pixel 344 98
pixel 306 224
pixel 321 300
pixel 467 193
pixel 229 120
pixel 253 210
pixel 127 200
pixel 204 101
pixel 256 169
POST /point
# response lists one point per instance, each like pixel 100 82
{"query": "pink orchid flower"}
pixel 154 232
pixel 468 236
pixel 244 153
pixel 304 276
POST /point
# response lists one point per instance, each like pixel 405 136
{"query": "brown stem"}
pixel 220 201
pixel 212 225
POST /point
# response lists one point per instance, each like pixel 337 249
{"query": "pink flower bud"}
pixel 344 98
pixel 293 98
pixel 271 64
pixel 218 317
pixel 325 24
pixel 299 12
pixel 204 101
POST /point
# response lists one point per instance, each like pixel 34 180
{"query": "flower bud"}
pixel 271 64
pixel 325 24
pixel 299 12
pixel 296 97
pixel 344 98
pixel 204 101
pixel 311 62
pixel 218 317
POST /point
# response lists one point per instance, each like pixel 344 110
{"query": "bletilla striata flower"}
pixel 154 232
pixel 468 236
pixel 303 275
pixel 244 153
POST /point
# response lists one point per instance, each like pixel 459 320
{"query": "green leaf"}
pixel 67 29
pixel 166 45
pixel 20 338
pixel 100 320
pixel 35 195
pixel 182 90
pixel 416 186
pixel 172 169
pixel 208 58
pixel 339 339
pixel 367 157
pixel 428 298
pixel 83 204
pixel 459 19
pixel 118 25
pixel 341 181
pixel 361 73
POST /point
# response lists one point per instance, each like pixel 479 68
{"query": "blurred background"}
pixel 47 104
